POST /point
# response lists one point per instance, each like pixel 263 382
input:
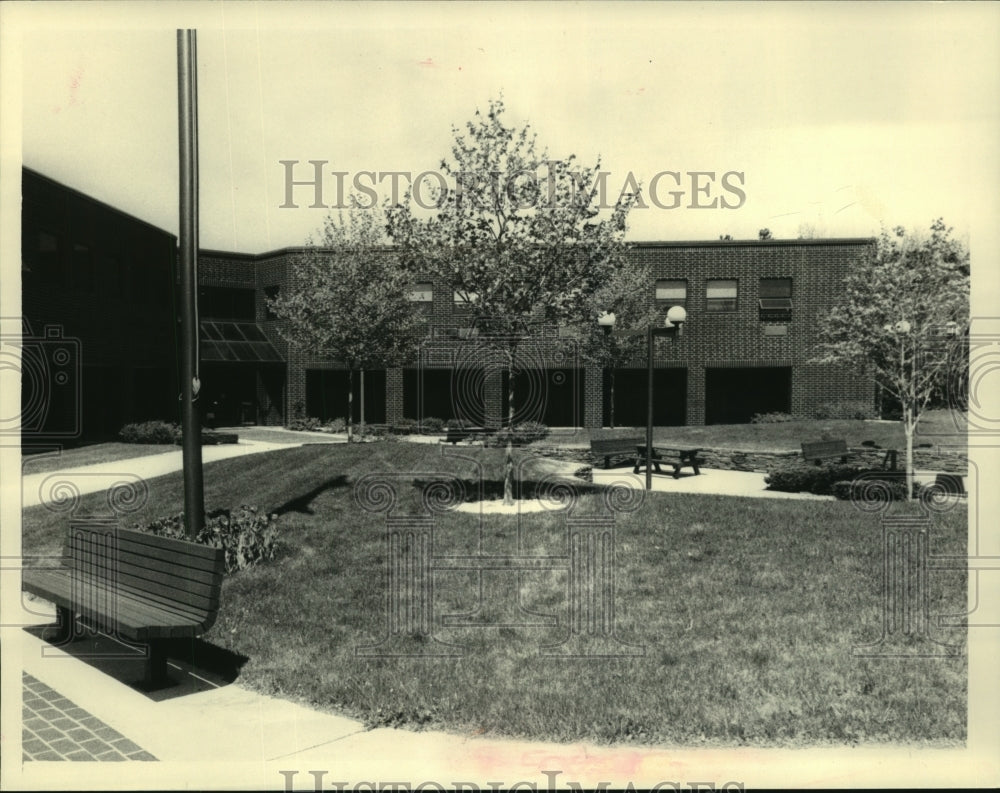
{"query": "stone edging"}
pixel 763 462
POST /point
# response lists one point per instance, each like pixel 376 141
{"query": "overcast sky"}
pixel 838 116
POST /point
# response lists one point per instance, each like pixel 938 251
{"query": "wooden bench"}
pixel 686 458
pixel 635 449
pixel 818 451
pixel 455 434
pixel 615 447
pixel 132 585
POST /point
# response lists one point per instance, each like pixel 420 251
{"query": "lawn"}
pixel 937 427
pixel 746 611
pixel 90 455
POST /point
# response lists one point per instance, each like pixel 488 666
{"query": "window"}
pixel 422 292
pixel 671 292
pixel 222 302
pixel 463 299
pixel 45 259
pixel 775 299
pixel 270 293
pixel 720 295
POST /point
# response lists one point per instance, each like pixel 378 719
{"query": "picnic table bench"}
pixel 132 585
pixel 455 434
pixel 635 449
pixel 817 451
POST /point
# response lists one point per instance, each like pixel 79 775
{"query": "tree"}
pixel 518 237
pixel 627 296
pixel 764 234
pixel 349 300
pixel 904 319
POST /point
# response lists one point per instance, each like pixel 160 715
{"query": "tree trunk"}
pixel 508 476
pixel 350 404
pixel 908 428
pixel 362 406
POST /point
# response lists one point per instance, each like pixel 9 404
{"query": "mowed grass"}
pixel 41 462
pixel 746 612
pixel 940 428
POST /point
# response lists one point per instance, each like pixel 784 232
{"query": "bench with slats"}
pixel 817 451
pixel 132 585
pixel 617 447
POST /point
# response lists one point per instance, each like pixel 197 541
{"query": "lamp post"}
pixel 672 326
pixel 606 321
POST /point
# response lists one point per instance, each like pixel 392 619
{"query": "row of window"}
pixel 721 294
pixel 82 270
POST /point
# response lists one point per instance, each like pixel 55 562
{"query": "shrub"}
pixel 150 432
pixel 305 424
pixel 805 478
pixel 771 418
pixel 846 409
pixel 431 424
pixel 871 489
pixel 335 425
pixel 521 435
pixel 405 426
pixel 247 537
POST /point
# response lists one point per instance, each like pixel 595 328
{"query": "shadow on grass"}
pixel 303 504
pixel 193 665
pixel 490 489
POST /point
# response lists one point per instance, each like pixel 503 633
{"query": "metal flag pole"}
pixel 187 112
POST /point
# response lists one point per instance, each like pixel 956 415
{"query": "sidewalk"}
pixel 52 485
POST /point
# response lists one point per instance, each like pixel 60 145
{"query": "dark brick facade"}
pixel 102 280
pixel 742 358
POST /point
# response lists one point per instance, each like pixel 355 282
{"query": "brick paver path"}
pixel 54 728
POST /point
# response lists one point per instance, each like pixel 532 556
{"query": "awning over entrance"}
pixel 235 342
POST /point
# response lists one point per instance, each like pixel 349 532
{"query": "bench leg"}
pixel 67 625
pixel 156 666
pixel 607 462
pixel 697 470
pixel 677 470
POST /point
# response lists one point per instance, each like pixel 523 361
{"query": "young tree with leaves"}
pixel 904 319
pixel 349 299
pixel 515 233
pixel 628 295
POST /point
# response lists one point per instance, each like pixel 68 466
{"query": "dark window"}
pixel 720 294
pixel 671 292
pixel 46 257
pixel 271 293
pixel 775 299
pixel 223 302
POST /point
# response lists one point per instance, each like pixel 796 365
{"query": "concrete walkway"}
pixel 53 486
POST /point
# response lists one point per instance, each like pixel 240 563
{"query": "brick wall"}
pixel 727 340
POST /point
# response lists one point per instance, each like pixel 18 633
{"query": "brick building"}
pixel 752 308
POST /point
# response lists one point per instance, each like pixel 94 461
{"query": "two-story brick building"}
pixel 753 317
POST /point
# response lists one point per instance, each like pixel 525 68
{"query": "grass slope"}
pixel 746 610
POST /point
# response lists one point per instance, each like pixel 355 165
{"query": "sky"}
pixel 833 119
